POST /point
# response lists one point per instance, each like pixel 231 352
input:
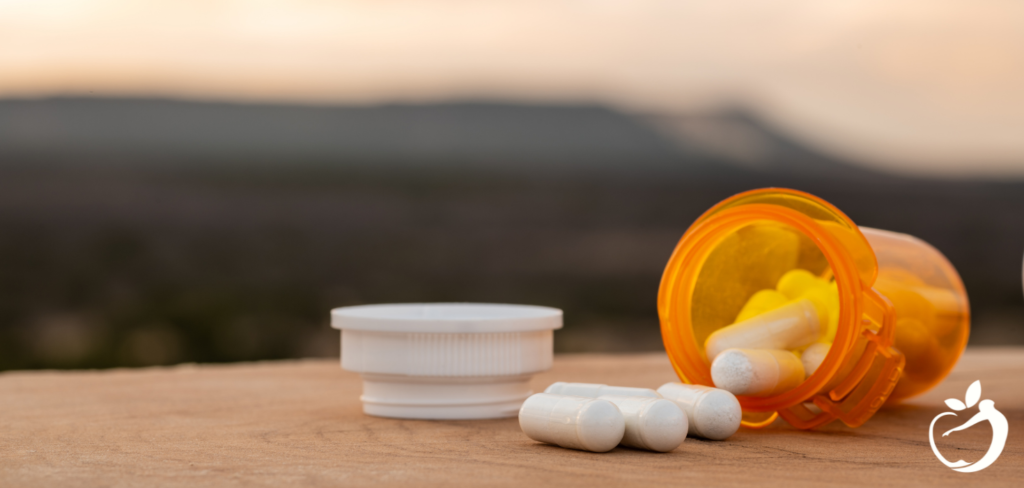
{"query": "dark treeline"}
pixel 140 232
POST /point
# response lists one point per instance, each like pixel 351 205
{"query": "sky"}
pixel 931 87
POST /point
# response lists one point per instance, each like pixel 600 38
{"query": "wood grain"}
pixel 300 423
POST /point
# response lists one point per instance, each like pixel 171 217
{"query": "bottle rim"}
pixel 679 279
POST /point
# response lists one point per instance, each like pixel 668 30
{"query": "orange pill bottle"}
pixel 903 315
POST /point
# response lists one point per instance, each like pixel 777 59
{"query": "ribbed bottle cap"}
pixel 446 360
pixel 447 317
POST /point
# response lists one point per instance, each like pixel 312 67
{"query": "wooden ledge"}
pixel 299 423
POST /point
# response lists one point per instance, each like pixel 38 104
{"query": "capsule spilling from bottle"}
pixel 777 296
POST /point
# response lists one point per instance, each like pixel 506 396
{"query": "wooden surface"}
pixel 300 424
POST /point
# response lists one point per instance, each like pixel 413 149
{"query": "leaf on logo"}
pixel 955 404
pixel 973 393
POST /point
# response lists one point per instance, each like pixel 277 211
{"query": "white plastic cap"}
pixel 446 360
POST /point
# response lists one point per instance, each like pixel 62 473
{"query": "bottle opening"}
pixel 781 282
pixel 741 276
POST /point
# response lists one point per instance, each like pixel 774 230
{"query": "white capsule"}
pixel 654 424
pixel 573 422
pixel 813 356
pixel 712 413
pixel 790 326
pixel 756 372
pixel 594 390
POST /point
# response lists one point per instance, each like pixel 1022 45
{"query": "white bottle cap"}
pixel 446 360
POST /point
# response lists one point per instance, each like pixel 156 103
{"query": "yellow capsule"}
pixel 826 300
pixel 796 282
pixel 761 302
pixel 833 312
pixel 820 300
pixel 800 283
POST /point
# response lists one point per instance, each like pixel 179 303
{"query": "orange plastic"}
pixel 903 311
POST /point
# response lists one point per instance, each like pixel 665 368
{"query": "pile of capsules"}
pixel 779 338
pixel 593 417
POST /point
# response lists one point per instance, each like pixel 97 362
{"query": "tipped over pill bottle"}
pixel 881 316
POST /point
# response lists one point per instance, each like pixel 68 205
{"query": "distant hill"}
pixel 476 135
pixel 152 231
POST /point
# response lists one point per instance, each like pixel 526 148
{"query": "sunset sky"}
pixel 919 86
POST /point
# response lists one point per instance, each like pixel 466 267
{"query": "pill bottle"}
pixel 902 320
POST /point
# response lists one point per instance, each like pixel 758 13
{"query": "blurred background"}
pixel 203 180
